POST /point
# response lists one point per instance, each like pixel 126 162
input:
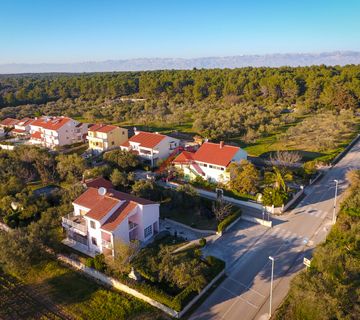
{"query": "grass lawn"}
pixel 190 216
pixel 82 298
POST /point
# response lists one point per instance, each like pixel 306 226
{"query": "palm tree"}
pixel 278 178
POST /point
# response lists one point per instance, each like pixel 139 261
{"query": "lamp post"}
pixel 271 283
pixel 335 198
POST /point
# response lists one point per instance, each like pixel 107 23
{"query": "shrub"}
pixel 99 262
pixel 228 220
pixel 89 262
pixel 183 298
pixel 216 264
pixel 202 242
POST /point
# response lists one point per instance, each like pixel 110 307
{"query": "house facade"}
pixel 8 123
pixel 52 132
pixel 102 216
pixel 151 147
pixel 209 162
pixel 104 137
pixel 22 128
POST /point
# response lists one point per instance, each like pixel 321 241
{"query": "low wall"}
pixel 252 219
pixel 7 147
pixel 348 147
pixel 115 284
pixel 213 195
pixel 190 228
pixel 202 292
pixel 293 200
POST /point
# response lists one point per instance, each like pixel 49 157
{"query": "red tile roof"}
pixel 119 216
pixel 147 139
pixel 211 153
pixel 9 122
pixel 54 123
pixel 126 144
pixel 184 157
pixel 98 183
pixel 18 131
pixel 25 122
pixel 105 128
pixel 36 135
pixel 100 205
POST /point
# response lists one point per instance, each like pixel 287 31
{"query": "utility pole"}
pixel 335 198
pixel 271 283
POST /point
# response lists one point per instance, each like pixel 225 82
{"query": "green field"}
pixel 75 295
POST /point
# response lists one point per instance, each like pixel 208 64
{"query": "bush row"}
pixel 228 220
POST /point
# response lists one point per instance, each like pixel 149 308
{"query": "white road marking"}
pixel 247 287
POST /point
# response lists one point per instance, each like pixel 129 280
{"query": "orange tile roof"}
pixel 147 139
pixel 119 216
pixel 184 157
pixel 36 135
pixel 25 122
pixel 213 153
pixel 98 183
pixel 209 153
pixel 18 131
pixel 54 123
pixel 9 122
pixel 105 128
pixel 126 144
pixel 100 205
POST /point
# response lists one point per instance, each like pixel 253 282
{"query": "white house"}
pixel 210 161
pixel 22 127
pixel 151 147
pixel 101 216
pixel 54 132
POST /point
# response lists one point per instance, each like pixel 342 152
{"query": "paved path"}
pixel 244 294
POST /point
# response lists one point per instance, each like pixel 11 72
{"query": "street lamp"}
pixel 271 283
pixel 335 198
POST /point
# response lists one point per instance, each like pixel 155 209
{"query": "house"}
pixel 102 216
pixel 22 128
pixel 151 147
pixel 54 132
pixel 104 137
pixel 8 123
pixel 209 162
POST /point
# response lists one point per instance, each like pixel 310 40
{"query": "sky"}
pixel 63 31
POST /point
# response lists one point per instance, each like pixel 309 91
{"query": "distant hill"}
pixel 268 60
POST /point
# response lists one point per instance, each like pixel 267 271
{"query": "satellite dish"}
pixel 102 191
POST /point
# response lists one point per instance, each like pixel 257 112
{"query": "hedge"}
pixel 179 301
pixel 228 220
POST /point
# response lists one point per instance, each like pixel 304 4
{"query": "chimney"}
pixel 221 144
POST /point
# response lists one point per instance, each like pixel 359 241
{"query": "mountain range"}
pixel 140 64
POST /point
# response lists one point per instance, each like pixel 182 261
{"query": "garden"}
pixel 164 271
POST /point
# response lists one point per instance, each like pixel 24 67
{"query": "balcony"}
pixel 132 225
pixel 106 244
pixel 75 223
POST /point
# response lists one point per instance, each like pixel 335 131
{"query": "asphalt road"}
pixel 244 294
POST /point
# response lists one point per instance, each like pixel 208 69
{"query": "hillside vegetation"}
pixel 330 289
pixel 246 106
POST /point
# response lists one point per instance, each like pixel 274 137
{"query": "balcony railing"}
pixel 132 225
pixel 75 223
pixel 106 244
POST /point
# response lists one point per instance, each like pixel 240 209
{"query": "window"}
pixel 112 142
pixel 92 224
pixel 93 241
pixel 222 169
pixel 148 231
